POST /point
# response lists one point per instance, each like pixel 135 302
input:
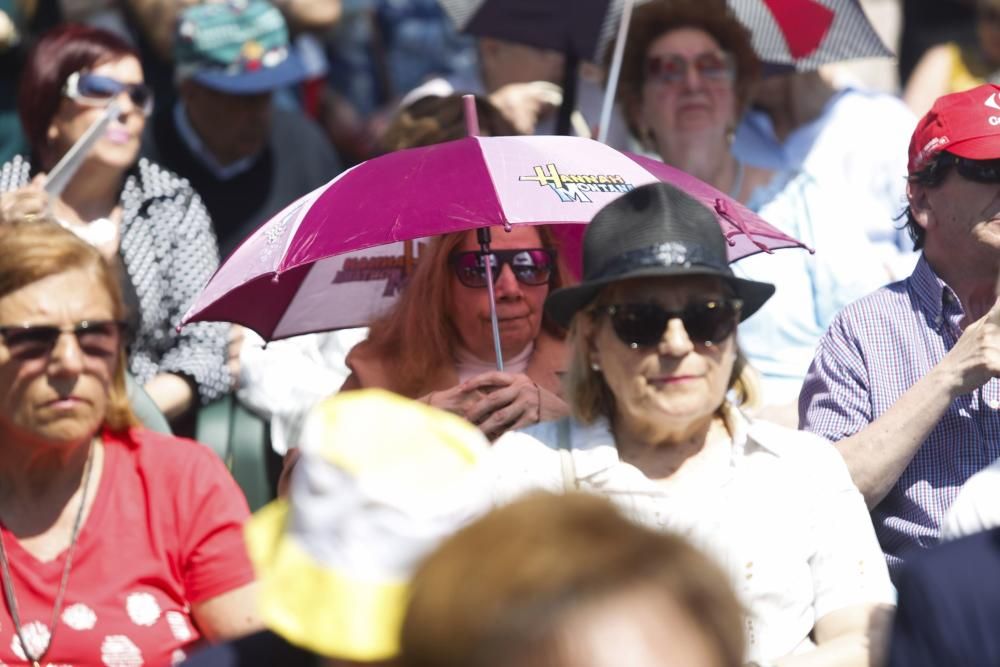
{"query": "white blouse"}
pixel 786 521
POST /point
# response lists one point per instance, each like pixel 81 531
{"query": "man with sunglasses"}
pixel 905 380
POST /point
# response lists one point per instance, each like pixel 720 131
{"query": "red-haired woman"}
pixel 142 217
pixel 436 344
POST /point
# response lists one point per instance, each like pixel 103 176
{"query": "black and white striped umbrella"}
pixel 801 35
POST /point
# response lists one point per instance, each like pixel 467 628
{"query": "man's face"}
pixel 962 221
pixel 233 127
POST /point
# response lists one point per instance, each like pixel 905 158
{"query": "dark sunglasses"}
pixel 531 266
pixel 97 90
pixel 96 338
pixel 643 324
pixel 978 171
pixel 711 66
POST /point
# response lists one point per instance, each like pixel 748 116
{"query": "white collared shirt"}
pixel 786 522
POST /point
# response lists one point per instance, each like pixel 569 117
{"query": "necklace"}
pixel 8 583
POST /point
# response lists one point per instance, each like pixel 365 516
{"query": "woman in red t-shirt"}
pixel 118 546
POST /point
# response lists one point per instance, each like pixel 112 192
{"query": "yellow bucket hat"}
pixel 381 480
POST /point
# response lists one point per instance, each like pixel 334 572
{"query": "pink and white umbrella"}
pixel 337 257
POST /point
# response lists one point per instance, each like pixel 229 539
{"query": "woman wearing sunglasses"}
pixel 436 344
pixel 107 553
pixel 655 384
pixel 687 76
pixel 145 219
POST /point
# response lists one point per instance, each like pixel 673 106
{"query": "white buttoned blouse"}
pixel 786 522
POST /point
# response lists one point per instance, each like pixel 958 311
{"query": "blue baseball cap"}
pixel 239 47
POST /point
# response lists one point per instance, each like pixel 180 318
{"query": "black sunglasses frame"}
pixel 654 320
pixel 40 339
pixel 977 171
pixel 503 257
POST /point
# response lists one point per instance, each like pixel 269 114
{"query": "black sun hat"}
pixel 654 230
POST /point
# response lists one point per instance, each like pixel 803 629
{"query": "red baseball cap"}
pixel 966 124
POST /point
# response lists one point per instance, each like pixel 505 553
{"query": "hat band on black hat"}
pixel 660 255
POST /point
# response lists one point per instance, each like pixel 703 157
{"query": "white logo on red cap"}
pixel 991 102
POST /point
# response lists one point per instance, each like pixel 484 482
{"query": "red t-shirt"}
pixel 165 531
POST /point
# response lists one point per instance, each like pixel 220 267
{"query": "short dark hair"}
pixel 658 17
pixel 930 176
pixel 58 53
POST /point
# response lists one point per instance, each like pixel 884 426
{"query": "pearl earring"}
pixel 594 366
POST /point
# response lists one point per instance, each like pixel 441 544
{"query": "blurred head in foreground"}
pixel 567 580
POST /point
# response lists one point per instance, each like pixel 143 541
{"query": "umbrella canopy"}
pixel 337 256
pixel 801 35
pixel 579 30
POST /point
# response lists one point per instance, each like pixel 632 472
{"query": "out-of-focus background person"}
pixel 958 65
pixel 568 580
pixel 246 157
pixel 655 380
pixel 146 220
pixel 107 552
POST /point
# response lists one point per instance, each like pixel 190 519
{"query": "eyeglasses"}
pixel 714 66
pixel 978 171
pixel 96 90
pixel 96 338
pixel 531 266
pixel 643 324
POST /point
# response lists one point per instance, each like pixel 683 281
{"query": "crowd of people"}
pixel 788 460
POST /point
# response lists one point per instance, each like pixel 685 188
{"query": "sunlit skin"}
pixel 962 220
pixel 695 111
pixel 232 127
pixel 61 399
pixel 674 389
pixel 118 148
pixel 639 628
pixel 519 307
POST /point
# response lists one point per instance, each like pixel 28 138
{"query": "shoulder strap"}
pixel 566 461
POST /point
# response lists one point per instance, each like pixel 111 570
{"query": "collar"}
pixel 931 293
pixel 194 143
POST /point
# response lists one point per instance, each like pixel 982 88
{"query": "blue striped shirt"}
pixel 875 350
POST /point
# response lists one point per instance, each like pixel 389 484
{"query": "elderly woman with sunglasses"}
pixel 436 344
pixel 655 373
pixel 686 79
pixel 107 555
pixel 145 219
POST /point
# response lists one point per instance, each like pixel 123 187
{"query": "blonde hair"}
pixel 35 250
pixel 417 336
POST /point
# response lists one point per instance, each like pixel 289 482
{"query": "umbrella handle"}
pixel 472 124
pixel 614 73
pixel 483 235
